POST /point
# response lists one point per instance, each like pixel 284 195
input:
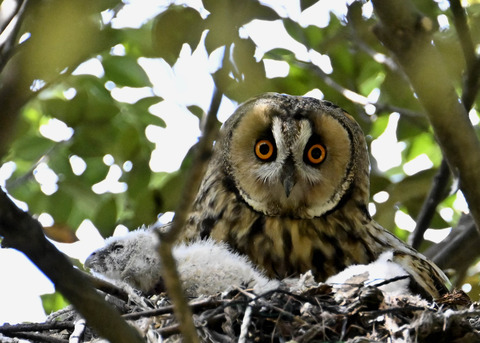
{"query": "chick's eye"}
pixel 264 150
pixel 117 248
pixel 316 154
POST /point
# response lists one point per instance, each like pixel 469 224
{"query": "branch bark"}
pixel 168 239
pixel 408 34
pixel 463 32
pixel 22 232
pixel 437 193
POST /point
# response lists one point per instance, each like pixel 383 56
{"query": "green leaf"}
pixel 315 36
pixel 143 210
pixel 304 4
pixel 280 54
pixel 96 169
pixel 53 302
pixel 406 129
pixel 125 71
pixel 294 30
pixel 106 216
pixel 145 103
pixel 174 27
pixel 143 115
pixel 379 126
pixel 138 178
pixel 31 148
pixel 138 42
pixel 196 111
pixel 128 142
pixel 60 205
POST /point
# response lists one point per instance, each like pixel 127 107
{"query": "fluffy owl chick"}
pixel 376 273
pixel 206 267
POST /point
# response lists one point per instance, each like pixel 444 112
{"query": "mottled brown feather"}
pixel 323 224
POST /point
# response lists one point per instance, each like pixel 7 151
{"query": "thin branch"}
pixel 194 305
pixel 460 249
pixel 107 287
pixel 7 328
pixel 408 35
pixel 414 117
pixel 9 33
pixel 167 239
pixel 437 194
pixel 39 338
pixel 195 174
pixel 470 90
pixel 471 84
pixel 356 21
pixel 463 32
pixel 22 232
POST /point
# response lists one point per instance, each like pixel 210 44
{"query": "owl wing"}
pixel 427 279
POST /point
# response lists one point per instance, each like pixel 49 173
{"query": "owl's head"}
pixel 294 156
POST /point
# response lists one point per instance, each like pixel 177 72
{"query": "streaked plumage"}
pixel 288 185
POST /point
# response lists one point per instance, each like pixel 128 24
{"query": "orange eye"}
pixel 264 150
pixel 316 154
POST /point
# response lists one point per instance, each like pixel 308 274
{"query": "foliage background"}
pixel 55 37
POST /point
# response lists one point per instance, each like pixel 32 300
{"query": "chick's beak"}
pixel 91 260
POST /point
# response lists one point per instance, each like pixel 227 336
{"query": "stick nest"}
pixel 298 311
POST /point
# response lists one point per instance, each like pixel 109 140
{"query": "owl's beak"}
pixel 288 176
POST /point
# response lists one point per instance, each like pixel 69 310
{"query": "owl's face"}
pixel 293 156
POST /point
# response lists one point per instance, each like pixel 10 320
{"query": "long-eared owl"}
pixel 288 185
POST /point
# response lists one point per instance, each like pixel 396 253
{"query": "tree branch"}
pixel 460 250
pixel 22 232
pixel 408 35
pixel 437 193
pixel 9 31
pixel 463 32
pixel 168 239
pixel 414 117
pixel 470 89
pixel 471 84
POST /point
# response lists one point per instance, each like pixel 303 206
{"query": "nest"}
pixel 298 311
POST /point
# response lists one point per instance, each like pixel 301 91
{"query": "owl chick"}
pixel 206 267
pixel 288 186
pixel 376 273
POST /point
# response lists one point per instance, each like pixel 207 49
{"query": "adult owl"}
pixel 288 185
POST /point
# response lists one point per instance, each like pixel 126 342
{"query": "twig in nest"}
pixel 393 279
pixel 197 305
pixel 7 328
pixel 39 338
pixel 78 331
pixel 394 310
pixel 247 318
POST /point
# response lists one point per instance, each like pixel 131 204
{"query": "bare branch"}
pixel 470 90
pixel 463 32
pixel 195 175
pixel 10 25
pixel 471 84
pixel 414 117
pixel 22 232
pixel 460 250
pixel 167 239
pixel 437 193
pixel 408 35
